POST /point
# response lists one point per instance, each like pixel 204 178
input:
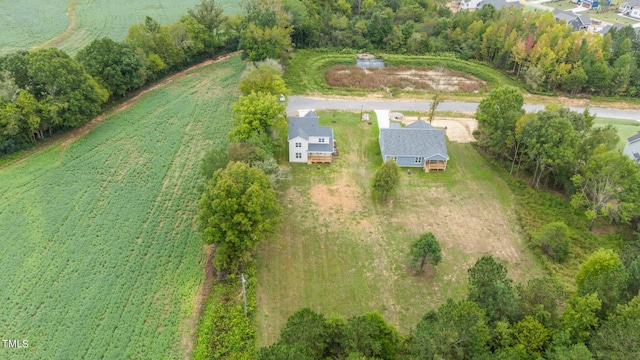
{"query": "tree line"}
pixel 497 320
pixel 546 55
pixel 45 91
pixel 562 149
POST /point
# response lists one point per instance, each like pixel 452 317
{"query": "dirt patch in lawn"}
pixel 403 77
pixel 457 129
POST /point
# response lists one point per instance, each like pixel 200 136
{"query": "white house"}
pixel 308 142
pixel 632 149
pixel 630 8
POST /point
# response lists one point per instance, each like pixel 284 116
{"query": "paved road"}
pixel 301 103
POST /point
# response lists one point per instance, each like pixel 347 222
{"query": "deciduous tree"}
pixel 238 210
pixel 386 181
pixel 425 250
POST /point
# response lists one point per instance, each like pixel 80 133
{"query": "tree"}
pixel 630 257
pixel 257 114
pixel 425 250
pixel 619 336
pixel 531 334
pixel 542 298
pixel 456 330
pixel 604 275
pixel 579 318
pixel 59 81
pixel 114 65
pixel 266 77
pixel 306 330
pixel 370 336
pixel 554 240
pixel 604 178
pixel 497 115
pixel 386 181
pixel 492 290
pixel 209 15
pixel 237 211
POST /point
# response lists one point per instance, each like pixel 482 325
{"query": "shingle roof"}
pixel 420 124
pixel 634 138
pixel 564 15
pixel 418 142
pixel 308 126
pixel 586 20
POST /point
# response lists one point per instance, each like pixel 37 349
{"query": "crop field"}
pixel 338 252
pixel 100 253
pixel 34 22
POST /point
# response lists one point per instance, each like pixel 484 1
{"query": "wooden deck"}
pixel 435 165
pixel 319 159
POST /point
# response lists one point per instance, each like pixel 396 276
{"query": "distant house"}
pixel 416 145
pixel 630 8
pixel 593 4
pixel 605 29
pixel 632 149
pixel 577 22
pixel 308 142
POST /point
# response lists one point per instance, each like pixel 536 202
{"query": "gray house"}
pixel 632 149
pixel 308 142
pixel 416 145
pixel 577 22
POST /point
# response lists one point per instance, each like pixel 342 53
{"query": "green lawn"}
pixel 626 128
pixel 100 253
pixel 337 252
pixel 32 22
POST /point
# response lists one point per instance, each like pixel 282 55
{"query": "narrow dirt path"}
pixel 72 135
pixel 188 338
pixel 73 26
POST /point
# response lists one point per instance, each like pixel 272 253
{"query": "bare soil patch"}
pixel 403 77
pixel 457 129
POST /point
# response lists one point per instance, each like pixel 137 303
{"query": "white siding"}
pixel 293 150
pixel 316 140
pixel 631 148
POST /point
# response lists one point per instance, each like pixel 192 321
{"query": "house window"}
pixel 321 140
pixel 298 144
pixel 298 155
pixel 417 160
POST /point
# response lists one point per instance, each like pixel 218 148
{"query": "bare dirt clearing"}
pixel 457 129
pixel 403 77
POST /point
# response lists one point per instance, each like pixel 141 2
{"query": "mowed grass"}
pixel 338 252
pixel 33 22
pixel 626 128
pixel 101 257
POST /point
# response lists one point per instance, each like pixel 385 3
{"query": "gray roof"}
pixel 418 142
pixel 499 4
pixel 632 3
pixel 585 19
pixel 634 138
pixel 307 126
pixel 420 124
pixel 567 16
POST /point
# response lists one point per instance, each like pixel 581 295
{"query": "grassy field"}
pixel 33 22
pixel 626 128
pixel 337 252
pixel 101 257
pixel 306 72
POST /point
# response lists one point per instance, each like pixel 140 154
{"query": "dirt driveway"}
pixel 457 129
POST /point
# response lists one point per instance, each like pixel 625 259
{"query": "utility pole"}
pixel 244 295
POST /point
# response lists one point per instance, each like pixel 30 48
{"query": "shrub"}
pixel 554 240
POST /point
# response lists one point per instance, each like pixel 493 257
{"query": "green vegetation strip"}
pixel 305 72
pixel 101 257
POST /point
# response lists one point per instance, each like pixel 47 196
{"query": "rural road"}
pixel 302 103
